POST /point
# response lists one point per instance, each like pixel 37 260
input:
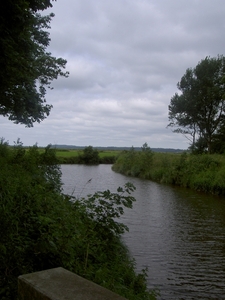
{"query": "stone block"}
pixel 61 284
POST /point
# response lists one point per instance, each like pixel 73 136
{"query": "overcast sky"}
pixel 125 58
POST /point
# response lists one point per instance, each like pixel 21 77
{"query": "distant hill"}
pixel 110 148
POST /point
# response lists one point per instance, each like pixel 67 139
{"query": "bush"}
pixel 41 228
pixel 202 172
pixel 90 156
pixel 107 159
pixel 135 163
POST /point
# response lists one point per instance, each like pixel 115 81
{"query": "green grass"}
pixel 68 153
pixel 75 152
pixel 202 172
pixel 109 153
pixel 72 156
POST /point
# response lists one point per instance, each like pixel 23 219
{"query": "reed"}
pixel 202 172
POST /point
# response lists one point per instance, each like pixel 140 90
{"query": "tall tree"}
pixel 199 108
pixel 26 68
pixel 218 142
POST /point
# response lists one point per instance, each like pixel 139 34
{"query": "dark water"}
pixel 178 234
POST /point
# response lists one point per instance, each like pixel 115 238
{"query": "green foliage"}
pixel 199 109
pixel 107 159
pixel 218 142
pixel 135 163
pixel 90 156
pixel 104 207
pixel 202 172
pixel 26 69
pixel 41 228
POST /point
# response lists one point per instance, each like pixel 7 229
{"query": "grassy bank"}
pixel 203 172
pixel 41 228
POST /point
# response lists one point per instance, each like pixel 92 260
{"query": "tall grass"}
pixel 202 172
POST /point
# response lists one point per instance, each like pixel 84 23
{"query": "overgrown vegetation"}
pixel 202 172
pixel 41 228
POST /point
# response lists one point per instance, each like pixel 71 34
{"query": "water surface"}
pixel 178 234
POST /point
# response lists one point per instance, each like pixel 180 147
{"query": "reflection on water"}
pixel 176 233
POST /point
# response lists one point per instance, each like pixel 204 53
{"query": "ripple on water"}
pixel 177 233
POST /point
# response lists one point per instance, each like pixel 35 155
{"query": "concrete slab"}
pixel 61 284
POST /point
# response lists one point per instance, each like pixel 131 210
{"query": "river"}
pixel 178 234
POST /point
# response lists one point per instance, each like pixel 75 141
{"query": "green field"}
pixel 75 153
pixel 71 153
pixel 71 156
pixel 67 153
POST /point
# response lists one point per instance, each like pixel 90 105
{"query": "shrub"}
pixel 203 172
pixel 135 163
pixel 41 228
pixel 90 156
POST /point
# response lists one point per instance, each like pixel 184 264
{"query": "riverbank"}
pixel 41 228
pixel 203 172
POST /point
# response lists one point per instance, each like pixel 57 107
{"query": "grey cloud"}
pixel 125 58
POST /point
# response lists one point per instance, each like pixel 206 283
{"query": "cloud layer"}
pixel 125 58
